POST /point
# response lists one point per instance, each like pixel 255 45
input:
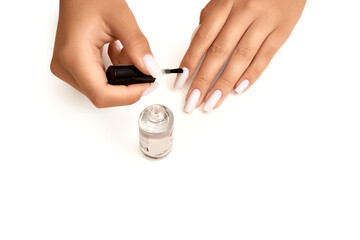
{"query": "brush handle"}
pixel 127 75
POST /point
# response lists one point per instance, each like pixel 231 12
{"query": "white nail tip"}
pixel 181 78
pixel 150 89
pixel 192 101
pixel 212 101
pixel 242 86
pixel 152 66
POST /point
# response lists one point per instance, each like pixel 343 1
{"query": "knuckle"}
pixel 190 58
pixel 203 13
pixel 204 34
pixel 98 99
pixel 137 39
pixel 269 54
pixel 244 52
pixel 202 81
pixel 57 69
pixel 253 72
pixel 226 3
pixel 226 82
pixel 129 99
pixel 218 49
pixel 54 67
pixel 254 6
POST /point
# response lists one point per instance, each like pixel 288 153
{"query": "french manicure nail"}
pixel 242 86
pixel 181 78
pixel 118 46
pixel 150 89
pixel 152 66
pixel 192 101
pixel 212 101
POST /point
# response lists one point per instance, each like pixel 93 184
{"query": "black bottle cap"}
pixel 126 75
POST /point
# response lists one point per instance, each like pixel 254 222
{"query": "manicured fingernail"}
pixel 192 101
pixel 150 89
pixel 117 45
pixel 212 101
pixel 152 66
pixel 181 78
pixel 196 29
pixel 242 86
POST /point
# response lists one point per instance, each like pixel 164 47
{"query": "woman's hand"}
pixel 250 32
pixel 84 27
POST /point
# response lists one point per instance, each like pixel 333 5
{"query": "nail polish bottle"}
pixel 156 126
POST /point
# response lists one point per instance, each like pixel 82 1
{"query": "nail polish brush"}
pixel 129 74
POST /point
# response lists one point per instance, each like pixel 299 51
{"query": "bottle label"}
pixel 156 145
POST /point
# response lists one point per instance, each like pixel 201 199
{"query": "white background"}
pixel 279 162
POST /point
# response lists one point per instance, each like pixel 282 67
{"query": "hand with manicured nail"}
pixel 84 27
pixel 247 33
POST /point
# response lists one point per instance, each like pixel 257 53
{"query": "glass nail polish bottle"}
pixel 156 125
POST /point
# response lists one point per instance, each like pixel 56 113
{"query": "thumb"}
pixel 124 27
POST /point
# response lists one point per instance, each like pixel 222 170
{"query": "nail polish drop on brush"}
pixel 156 126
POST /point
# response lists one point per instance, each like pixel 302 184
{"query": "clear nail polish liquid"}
pixel 156 126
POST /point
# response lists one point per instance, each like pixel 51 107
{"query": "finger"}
pixel 206 34
pixel 238 63
pixel 262 59
pixel 124 58
pixel 114 50
pixel 113 96
pixel 125 28
pixel 205 11
pixel 203 14
pixel 118 55
pixel 86 68
pixel 219 52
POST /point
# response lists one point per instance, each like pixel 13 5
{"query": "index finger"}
pixel 206 34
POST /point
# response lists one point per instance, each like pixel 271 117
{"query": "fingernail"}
pixel 152 66
pixel 181 78
pixel 196 29
pixel 192 101
pixel 212 101
pixel 150 89
pixel 117 45
pixel 242 86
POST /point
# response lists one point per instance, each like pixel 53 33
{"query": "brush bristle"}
pixel 175 70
